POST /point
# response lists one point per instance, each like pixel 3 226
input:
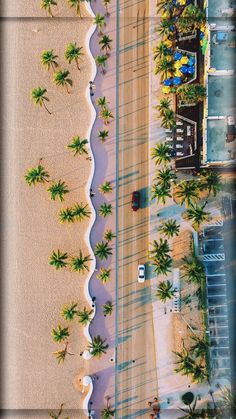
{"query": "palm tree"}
pixel 162 266
pixel 197 215
pixel 102 251
pixel 107 412
pixel 160 192
pixel 210 180
pixel 61 79
pixel 160 250
pixel 78 146
pixel 66 215
pixel 160 51
pixel 39 98
pixel 58 259
pixel 109 235
pixel 191 93
pixel 108 308
pixel 106 187
pixel 193 269
pixel 56 416
pixel 165 68
pixel 81 211
pixel 100 21
pixel 73 53
pixel 106 115
pixel 102 102
pixel 61 354
pixel 104 275
pixel 105 43
pixel 166 28
pixel 163 5
pixel 165 291
pixel 76 4
pixel 170 228
pixel 200 347
pixel 165 177
pixel 60 333
pixel 48 59
pixel 47 5
pixel 101 61
pixel 185 362
pixel 191 18
pixel 36 175
pixel 98 347
pixel 188 192
pixel 199 373
pixel 103 135
pixel 69 311
pixel 228 401
pixel 161 153
pixel 106 2
pixel 85 316
pixel 79 263
pixel 164 105
pixel 58 190
pixel 190 412
pixel 105 210
pixel 168 119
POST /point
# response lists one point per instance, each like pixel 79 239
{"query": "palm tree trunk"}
pixel 50 11
pixel 67 89
pixel 77 63
pixel 50 113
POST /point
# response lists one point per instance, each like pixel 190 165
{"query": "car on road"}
pixel 135 203
pixel 141 273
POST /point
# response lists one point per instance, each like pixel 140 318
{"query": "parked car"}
pixel 135 200
pixel 141 273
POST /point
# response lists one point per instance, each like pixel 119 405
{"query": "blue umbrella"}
pixel 184 69
pixel 168 82
pixel 201 35
pixel 177 56
pixel 191 70
pixel 177 81
pixel 191 61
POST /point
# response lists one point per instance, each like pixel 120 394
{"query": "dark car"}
pixel 135 200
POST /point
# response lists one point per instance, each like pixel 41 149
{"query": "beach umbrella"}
pixel 178 73
pixel 182 2
pixel 177 81
pixel 191 70
pixel 177 64
pixel 177 56
pixel 184 69
pixel 168 82
pixel 201 35
pixel 184 60
pixel 191 61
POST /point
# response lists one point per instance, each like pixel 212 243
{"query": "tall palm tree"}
pixel 161 153
pixel 60 333
pixel 109 235
pixel 66 215
pixel 228 400
pixel 61 354
pixel 160 51
pixel 108 308
pixel 48 59
pixel 197 215
pixel 78 146
pixel 105 43
pixel 56 416
pixel 166 28
pixel 79 263
pixel 165 68
pixel 61 78
pixel 199 373
pixel 200 347
pixel 193 269
pixel 168 119
pixel 103 135
pixel 74 53
pixel 101 61
pixel 163 5
pixel 162 266
pixel 102 102
pixel 100 21
pixel 106 115
pixel 191 18
pixel 76 5
pixel 107 412
pixel 58 190
pixel 106 187
pixel 185 362
pixel 47 5
pixel 81 211
pixel 165 177
pixel 69 311
pixel 210 180
pixel 188 192
pixel 160 250
pixel 161 193
pixel 164 105
pixel 165 291
pixel 98 347
pixel 191 93
pixel 170 228
pixel 106 3
pixel 105 210
pixel 190 412
pixel 104 275
pixel 85 316
pixel 39 97
pixel 102 250
pixel 58 259
pixel 36 175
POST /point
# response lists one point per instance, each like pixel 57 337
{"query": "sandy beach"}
pixel 34 292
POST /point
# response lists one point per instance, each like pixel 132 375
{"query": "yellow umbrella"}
pixel 166 89
pixel 184 60
pixel 177 64
pixel 178 73
pixel 182 2
pixel 168 43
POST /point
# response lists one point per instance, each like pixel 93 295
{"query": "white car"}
pixel 141 273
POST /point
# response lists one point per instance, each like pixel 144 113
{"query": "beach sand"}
pixel 34 292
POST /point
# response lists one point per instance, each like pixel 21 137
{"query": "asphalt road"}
pixel 136 381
